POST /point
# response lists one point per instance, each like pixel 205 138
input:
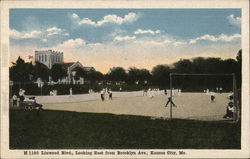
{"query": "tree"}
pixel 239 56
pixel 199 65
pixel 117 74
pixel 40 71
pixel 21 71
pixel 95 76
pixel 239 67
pixel 160 74
pixel 183 66
pixel 138 75
pixel 213 65
pixel 133 75
pixel 58 72
pixel 144 75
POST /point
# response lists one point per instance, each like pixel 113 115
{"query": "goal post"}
pixel 236 114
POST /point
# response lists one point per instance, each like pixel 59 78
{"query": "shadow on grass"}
pixel 71 130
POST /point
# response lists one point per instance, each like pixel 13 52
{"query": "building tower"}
pixel 49 57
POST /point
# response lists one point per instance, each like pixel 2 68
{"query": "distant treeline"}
pixel 24 72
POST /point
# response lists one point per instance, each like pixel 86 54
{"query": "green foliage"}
pixel 21 71
pixel 94 76
pixel 161 74
pixel 41 71
pixel 117 74
pixel 58 72
pixel 138 75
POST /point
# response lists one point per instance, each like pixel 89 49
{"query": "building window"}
pixel 45 58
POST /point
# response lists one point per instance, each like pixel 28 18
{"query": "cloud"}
pixel 124 38
pixel 108 19
pixel 177 43
pixel 72 43
pixel 56 31
pixel 140 31
pixel 14 34
pixel 236 21
pixel 44 40
pixel 75 16
pixel 164 40
pixel 37 34
pixel 222 38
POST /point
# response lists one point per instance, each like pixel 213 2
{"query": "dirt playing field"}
pixel 189 106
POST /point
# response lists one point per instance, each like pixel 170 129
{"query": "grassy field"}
pixel 72 130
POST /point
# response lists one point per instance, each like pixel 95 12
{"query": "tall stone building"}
pixel 49 57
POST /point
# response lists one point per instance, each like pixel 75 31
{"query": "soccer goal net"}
pixel 203 96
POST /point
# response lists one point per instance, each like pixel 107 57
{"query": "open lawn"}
pixel 51 129
pixel 189 105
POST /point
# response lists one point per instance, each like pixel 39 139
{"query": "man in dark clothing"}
pixel 110 94
pixel 170 101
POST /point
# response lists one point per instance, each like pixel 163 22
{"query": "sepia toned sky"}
pixel 142 38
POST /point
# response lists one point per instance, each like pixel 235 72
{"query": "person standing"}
pixel 179 92
pixel 152 93
pixel 220 90
pixel 144 92
pixel 149 92
pixel 207 91
pixel 212 96
pixel 102 95
pixel 21 94
pixel 70 92
pixel 165 91
pixel 110 94
pixel 14 98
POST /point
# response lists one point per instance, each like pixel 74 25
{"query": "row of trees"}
pixel 159 75
pixel 22 71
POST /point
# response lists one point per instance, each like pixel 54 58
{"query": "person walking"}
pixel 170 100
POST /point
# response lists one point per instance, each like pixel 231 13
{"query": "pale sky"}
pixel 141 38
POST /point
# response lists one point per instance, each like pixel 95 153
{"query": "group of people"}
pixel 212 93
pixel 18 97
pixel 151 92
pixel 104 91
pixel 53 93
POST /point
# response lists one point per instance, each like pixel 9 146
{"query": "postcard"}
pixel 125 79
